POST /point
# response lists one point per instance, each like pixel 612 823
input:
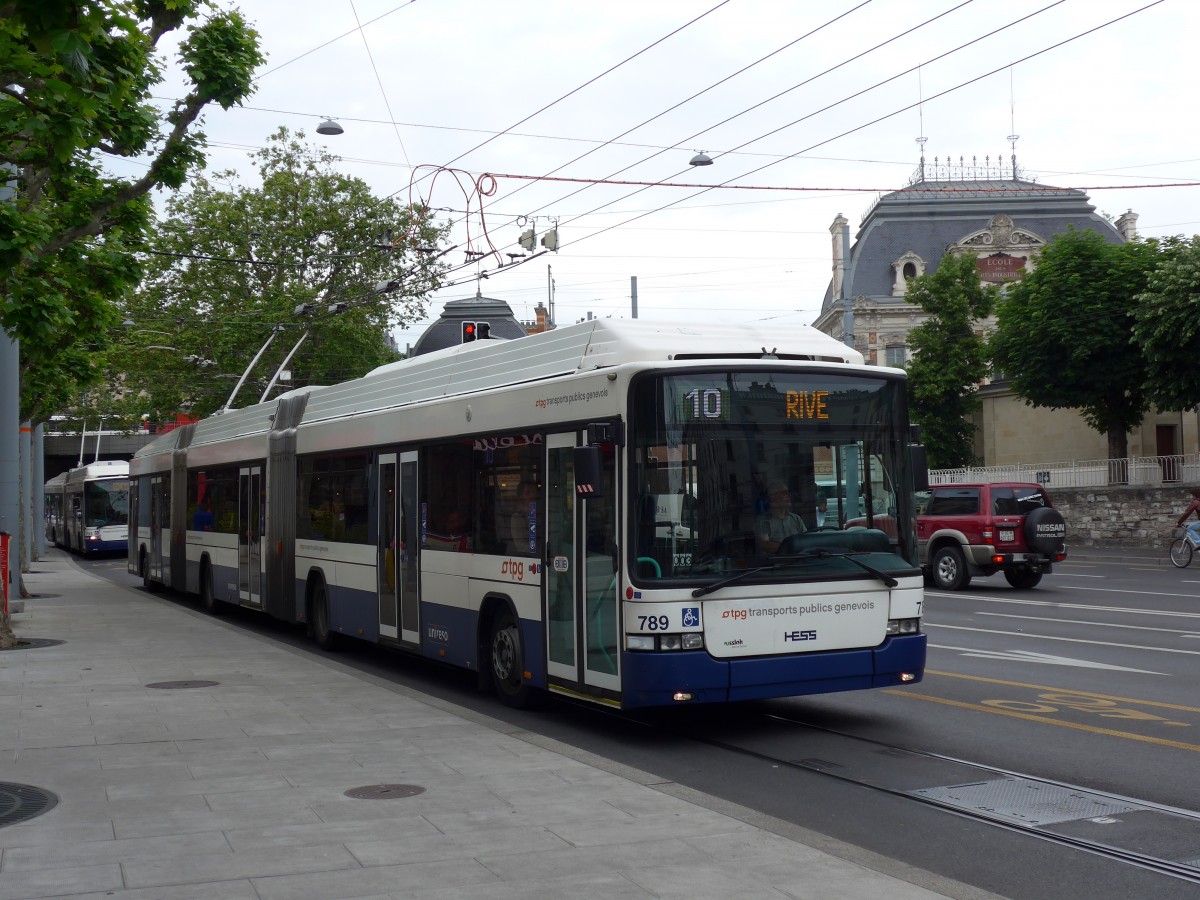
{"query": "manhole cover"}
pixel 33 644
pixel 385 791
pixel 182 685
pixel 20 802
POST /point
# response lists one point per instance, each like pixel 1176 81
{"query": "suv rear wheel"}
pixel 948 569
pixel 1023 579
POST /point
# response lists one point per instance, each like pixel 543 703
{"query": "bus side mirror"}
pixel 589 473
pixel 920 466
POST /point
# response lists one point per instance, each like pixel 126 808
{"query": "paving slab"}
pixel 238 789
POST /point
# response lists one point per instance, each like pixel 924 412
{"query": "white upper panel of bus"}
pixel 482 365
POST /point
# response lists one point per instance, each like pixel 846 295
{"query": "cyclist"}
pixel 1193 507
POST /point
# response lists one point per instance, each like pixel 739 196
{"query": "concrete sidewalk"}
pixel 238 789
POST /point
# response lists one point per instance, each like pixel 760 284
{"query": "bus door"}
pixel 397 566
pixel 160 521
pixel 388 547
pixel 581 585
pixel 250 516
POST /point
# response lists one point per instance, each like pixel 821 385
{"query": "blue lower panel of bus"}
pixel 448 634
pixel 105 546
pixel 651 679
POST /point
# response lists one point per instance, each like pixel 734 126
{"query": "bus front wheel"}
pixel 508 662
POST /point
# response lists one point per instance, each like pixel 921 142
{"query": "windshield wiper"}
pixel 781 561
pixel 745 573
pixel 821 553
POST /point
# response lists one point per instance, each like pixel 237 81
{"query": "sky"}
pixel 809 110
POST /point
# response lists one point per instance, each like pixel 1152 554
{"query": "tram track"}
pixel 1052 804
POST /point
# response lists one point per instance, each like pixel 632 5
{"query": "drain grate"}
pixel 1026 802
pixel 33 644
pixel 182 685
pixel 385 791
pixel 21 802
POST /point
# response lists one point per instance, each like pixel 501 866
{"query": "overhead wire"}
pixel 865 124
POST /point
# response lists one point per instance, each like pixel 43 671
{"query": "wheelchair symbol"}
pixel 691 617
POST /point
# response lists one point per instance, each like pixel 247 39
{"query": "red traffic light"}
pixel 468 332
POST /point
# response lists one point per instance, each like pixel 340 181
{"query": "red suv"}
pixel 982 529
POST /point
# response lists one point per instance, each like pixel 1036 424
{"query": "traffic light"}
pixel 476 331
pixel 527 239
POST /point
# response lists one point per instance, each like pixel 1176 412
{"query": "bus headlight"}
pixel 904 626
pixel 692 640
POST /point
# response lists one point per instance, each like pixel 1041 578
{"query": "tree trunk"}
pixel 1118 451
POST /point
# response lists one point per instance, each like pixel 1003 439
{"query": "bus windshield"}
pixel 106 502
pixel 783 471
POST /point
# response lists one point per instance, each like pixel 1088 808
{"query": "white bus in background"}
pixel 500 506
pixel 87 508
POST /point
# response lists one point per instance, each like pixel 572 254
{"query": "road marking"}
pixel 1047 637
pixel 1077 575
pixel 1174 631
pixel 1078 726
pixel 1043 658
pixel 1045 687
pixel 1056 605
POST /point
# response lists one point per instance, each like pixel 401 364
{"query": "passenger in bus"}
pixel 203 518
pixel 780 522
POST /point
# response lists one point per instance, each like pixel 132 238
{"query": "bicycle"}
pixel 1183 547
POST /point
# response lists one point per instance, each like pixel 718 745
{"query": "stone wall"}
pixel 1120 516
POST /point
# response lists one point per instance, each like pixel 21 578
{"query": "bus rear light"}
pixel 639 642
pixel 693 640
pixel 906 677
pixel 682 696
pixel 670 642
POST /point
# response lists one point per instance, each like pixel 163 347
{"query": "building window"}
pixel 904 270
pixel 910 271
pixel 897 356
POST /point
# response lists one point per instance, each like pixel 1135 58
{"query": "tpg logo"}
pixel 799 636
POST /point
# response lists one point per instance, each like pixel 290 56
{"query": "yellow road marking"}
pixel 1092 729
pixel 1059 690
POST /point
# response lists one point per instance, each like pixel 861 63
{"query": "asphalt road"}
pixel 1088 682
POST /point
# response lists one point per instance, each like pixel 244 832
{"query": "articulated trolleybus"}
pixel 87 508
pixel 631 513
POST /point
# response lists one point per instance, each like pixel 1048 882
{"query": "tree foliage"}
pixel 229 265
pixel 75 86
pixel 949 358
pixel 1167 325
pixel 1064 335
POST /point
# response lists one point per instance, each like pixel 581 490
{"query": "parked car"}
pixel 967 530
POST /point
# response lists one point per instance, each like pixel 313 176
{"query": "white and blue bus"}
pixel 87 508
pixel 581 512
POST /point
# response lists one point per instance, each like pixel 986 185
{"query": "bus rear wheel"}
pixel 318 618
pixel 208 597
pixel 508 662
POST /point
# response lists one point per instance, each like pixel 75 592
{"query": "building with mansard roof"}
pixel 1004 218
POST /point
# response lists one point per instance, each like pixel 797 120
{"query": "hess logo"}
pixel 800 635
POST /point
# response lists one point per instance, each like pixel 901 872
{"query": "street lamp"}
pixel 330 126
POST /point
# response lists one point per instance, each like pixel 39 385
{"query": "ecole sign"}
pixel 1000 267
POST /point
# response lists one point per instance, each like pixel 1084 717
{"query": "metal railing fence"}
pixel 1134 471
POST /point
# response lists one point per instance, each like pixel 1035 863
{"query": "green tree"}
pixel 1167 325
pixel 229 265
pixel 75 85
pixel 1064 335
pixel 949 358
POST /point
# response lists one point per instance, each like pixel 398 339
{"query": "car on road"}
pixel 979 529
